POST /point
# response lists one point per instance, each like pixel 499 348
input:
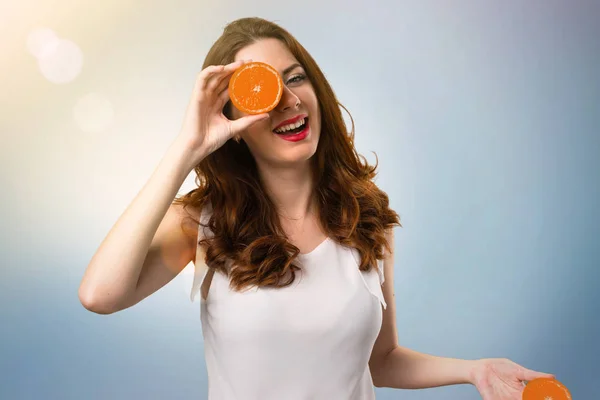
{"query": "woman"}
pixel 292 242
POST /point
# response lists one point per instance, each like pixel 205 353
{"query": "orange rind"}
pixel 544 389
pixel 255 88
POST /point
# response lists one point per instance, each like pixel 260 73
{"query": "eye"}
pixel 297 78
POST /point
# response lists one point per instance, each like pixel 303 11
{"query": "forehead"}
pixel 270 51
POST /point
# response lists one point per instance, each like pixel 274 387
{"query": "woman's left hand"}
pixel 502 379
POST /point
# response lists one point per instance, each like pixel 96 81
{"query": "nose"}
pixel 288 100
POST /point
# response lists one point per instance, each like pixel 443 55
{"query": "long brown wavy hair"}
pixel 244 223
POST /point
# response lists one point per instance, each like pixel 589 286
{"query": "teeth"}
pixel 289 127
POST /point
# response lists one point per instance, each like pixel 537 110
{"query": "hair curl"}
pixel 244 222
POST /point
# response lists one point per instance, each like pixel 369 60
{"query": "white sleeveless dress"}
pixel 309 341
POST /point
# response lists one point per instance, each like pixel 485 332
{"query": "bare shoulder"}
pixel 172 248
pixel 184 227
pixel 186 218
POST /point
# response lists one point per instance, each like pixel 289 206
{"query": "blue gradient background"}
pixel 485 117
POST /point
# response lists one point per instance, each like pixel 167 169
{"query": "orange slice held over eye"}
pixel 545 389
pixel 255 88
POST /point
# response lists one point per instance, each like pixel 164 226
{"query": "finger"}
pixel 220 79
pixel 205 74
pixel 200 82
pixel 215 81
pixel 243 123
pixel 223 83
pixel 223 99
pixel 529 375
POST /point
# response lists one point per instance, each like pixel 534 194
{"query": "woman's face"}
pixel 298 100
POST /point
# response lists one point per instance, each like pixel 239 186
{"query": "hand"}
pixel 205 127
pixel 502 379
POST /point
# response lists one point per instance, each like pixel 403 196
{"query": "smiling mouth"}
pixel 293 131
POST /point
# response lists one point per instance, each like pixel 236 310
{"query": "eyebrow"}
pixel 290 68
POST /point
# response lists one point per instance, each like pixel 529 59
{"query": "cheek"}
pixel 314 104
pixel 315 111
pixel 258 130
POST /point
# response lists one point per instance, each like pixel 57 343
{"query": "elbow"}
pixel 377 382
pixel 90 302
pixel 379 366
pixel 377 375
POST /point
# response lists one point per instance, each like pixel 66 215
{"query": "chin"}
pixel 296 157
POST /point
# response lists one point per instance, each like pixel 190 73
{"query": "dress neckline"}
pixel 316 249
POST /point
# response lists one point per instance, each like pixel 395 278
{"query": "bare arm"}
pixel 146 248
pixel 399 367
pixel 395 366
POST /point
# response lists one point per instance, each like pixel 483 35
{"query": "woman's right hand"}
pixel 205 127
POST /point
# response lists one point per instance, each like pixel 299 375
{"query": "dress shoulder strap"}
pixel 200 267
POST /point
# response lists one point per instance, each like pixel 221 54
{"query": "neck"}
pixel 290 189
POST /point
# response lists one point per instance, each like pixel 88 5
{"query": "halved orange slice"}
pixel 544 389
pixel 255 88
